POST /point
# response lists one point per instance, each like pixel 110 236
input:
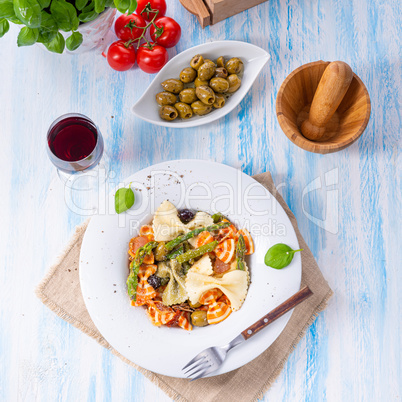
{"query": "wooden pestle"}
pixel 331 89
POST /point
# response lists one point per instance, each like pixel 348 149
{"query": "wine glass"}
pixel 75 146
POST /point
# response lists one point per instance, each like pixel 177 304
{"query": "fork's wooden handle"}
pixel 279 311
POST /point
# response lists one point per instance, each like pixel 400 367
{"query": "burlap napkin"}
pixel 60 291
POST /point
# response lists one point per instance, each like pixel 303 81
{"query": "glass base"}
pixel 87 180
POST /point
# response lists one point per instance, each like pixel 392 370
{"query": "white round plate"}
pixel 254 59
pixel 205 186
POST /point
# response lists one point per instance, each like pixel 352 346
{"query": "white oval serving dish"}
pixel 253 57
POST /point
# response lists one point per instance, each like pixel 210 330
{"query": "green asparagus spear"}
pixel 240 251
pixel 218 217
pixel 132 280
pixel 175 242
pixel 175 253
pixel 198 252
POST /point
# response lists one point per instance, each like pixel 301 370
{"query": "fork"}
pixel 209 360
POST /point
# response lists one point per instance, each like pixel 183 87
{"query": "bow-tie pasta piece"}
pixel 145 291
pixel 175 291
pixel 166 224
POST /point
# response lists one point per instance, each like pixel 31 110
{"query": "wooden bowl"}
pixel 293 104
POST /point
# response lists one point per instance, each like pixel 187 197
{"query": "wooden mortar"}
pixel 330 106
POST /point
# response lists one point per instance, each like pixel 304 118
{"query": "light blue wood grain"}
pixel 352 351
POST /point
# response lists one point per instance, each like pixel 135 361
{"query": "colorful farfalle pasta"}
pixel 202 287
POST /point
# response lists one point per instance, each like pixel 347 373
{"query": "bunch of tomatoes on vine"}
pixel 131 30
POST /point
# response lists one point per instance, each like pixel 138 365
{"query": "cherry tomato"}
pixel 151 60
pixel 155 5
pixel 171 32
pixel 120 57
pixel 126 33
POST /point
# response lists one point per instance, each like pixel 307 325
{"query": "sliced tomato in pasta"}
pixel 225 251
pixel 248 240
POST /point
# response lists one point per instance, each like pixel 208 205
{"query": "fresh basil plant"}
pixel 44 19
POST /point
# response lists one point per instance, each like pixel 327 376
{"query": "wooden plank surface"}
pixel 347 204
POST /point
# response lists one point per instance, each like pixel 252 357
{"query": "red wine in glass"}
pixel 75 144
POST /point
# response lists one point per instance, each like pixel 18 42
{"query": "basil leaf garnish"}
pixel 6 9
pixel 28 12
pixel 121 5
pixel 279 256
pixel 100 6
pixel 124 199
pixel 133 6
pixel 27 36
pixel 80 4
pixel 48 28
pixel 89 16
pixel 4 27
pixel 74 41
pixel 57 44
pixel 65 15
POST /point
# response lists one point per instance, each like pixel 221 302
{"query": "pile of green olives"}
pixel 202 87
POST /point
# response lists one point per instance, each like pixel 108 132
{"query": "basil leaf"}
pixel 279 256
pixel 124 199
pixel 57 44
pixel 44 3
pixel 89 16
pixel 89 7
pixel 122 5
pixel 4 27
pixel 6 9
pixel 100 6
pixel 65 15
pixel 27 36
pixel 48 28
pixel 74 41
pixel 28 12
pixel 109 3
pixel 133 6
pixel 15 20
pixel 80 4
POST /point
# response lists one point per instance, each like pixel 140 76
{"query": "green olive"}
pixel 219 85
pixel 234 66
pixel 220 62
pixel 196 305
pixel 161 251
pixel 172 85
pixel 187 75
pixel 188 95
pixel 206 71
pixel 205 94
pixel 165 98
pixel 185 111
pixel 197 61
pixel 198 82
pixel 219 101
pixel 234 83
pixel 200 109
pixel 209 61
pixel 168 113
pixel 199 318
pixel 221 72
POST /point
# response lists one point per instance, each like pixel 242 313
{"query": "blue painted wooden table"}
pixel 352 351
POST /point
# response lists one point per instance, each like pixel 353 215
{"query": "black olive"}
pixel 186 215
pixel 154 281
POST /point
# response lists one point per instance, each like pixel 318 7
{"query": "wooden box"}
pixel 210 12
